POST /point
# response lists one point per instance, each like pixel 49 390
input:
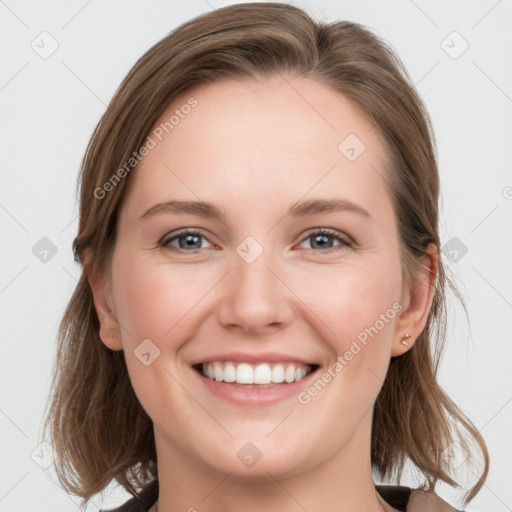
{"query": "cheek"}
pixel 350 298
pixel 360 308
pixel 153 300
pixel 156 302
pixel 357 307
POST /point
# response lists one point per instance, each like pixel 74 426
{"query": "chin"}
pixel 258 461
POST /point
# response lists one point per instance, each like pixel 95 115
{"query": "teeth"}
pixel 229 373
pixel 289 374
pixel 244 373
pixel 278 374
pixel 262 374
pixel 217 371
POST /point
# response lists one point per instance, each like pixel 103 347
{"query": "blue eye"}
pixel 187 239
pixel 190 241
pixel 322 238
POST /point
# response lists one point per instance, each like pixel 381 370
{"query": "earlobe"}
pixel 109 327
pixel 414 318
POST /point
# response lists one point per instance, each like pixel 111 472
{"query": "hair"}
pixel 96 425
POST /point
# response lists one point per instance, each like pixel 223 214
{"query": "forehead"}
pixel 281 137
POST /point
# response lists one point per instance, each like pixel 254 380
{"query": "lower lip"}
pixel 255 396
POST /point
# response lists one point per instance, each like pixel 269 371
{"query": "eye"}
pixel 186 239
pixel 189 240
pixel 323 238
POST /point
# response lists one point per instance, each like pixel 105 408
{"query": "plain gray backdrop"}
pixel 61 64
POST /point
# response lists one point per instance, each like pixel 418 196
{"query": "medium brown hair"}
pixel 96 425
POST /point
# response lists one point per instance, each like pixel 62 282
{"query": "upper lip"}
pixel 264 357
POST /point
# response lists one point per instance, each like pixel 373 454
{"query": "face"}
pixel 266 284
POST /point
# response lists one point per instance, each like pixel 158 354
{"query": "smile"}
pixel 256 383
pixel 255 375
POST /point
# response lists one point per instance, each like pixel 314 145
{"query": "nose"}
pixel 256 297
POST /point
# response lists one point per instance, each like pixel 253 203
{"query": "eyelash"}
pixel 345 241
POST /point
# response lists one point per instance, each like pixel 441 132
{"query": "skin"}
pixel 254 148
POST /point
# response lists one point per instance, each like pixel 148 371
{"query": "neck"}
pixel 343 482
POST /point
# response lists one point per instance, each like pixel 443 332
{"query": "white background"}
pixel 49 108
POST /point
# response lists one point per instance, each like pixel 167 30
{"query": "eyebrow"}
pixel 300 209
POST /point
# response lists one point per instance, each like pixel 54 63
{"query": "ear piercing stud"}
pixel 110 335
pixel 405 337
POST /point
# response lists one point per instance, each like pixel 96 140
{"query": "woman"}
pixel 259 318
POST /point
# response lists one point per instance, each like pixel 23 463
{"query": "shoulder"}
pixel 402 498
pixel 413 500
pixel 428 500
pixel 140 503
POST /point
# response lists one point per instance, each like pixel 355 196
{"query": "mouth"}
pixel 261 375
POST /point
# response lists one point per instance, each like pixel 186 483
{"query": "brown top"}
pixel 402 498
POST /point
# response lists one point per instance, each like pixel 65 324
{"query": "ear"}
pixel 110 333
pixel 416 303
